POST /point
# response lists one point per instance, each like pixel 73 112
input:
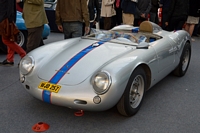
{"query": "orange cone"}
pixel 40 127
pixel 79 113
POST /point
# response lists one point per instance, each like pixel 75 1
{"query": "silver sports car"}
pixel 106 68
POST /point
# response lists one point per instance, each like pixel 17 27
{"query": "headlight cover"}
pixel 101 82
pixel 26 65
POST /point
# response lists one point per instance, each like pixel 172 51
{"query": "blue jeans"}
pixel 72 29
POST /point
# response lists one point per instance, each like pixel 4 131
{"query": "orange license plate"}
pixel 49 86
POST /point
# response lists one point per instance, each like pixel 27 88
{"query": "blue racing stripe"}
pixel 57 77
pixel 46 95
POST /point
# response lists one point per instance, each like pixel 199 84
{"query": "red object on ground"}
pixel 79 113
pixel 40 127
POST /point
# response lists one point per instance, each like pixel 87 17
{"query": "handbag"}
pixel 9 30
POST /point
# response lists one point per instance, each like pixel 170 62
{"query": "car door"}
pixel 165 55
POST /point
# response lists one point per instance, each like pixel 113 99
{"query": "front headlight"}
pixel 101 82
pixel 26 65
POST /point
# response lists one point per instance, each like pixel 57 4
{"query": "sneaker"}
pixel 6 63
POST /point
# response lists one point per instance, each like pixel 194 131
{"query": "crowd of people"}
pixel 75 18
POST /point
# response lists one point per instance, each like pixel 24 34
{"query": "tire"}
pixel 132 98
pixel 183 65
pixel 22 39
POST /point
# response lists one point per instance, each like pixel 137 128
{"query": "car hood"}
pixel 81 59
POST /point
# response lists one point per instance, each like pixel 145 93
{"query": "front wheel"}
pixel 132 98
pixel 182 67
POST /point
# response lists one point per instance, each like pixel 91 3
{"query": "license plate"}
pixel 49 86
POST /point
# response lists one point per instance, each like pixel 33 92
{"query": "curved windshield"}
pixel 123 36
pixel 112 36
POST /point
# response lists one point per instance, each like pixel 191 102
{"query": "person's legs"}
pixel 191 29
pixel 170 26
pixel 67 30
pixel 118 16
pixel 76 29
pixel 10 54
pixel 12 48
pixel 180 25
pixel 34 38
pixel 190 24
pixel 73 29
pixel 153 17
pixel 187 27
pixel 107 23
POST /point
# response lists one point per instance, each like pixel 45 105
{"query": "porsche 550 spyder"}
pixel 106 68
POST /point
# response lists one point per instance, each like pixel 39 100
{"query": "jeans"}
pixel 72 29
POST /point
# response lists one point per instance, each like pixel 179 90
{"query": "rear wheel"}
pixel 132 98
pixel 182 67
pixel 22 39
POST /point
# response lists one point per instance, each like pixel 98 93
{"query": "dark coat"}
pixel 194 5
pixel 143 6
pixel 128 6
pixel 93 7
pixel 154 6
pixel 178 8
pixel 165 5
pixel 8 10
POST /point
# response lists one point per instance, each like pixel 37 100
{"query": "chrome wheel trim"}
pixel 186 59
pixel 136 91
pixel 20 39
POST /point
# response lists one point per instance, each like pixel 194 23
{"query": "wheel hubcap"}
pixel 20 39
pixel 185 60
pixel 136 91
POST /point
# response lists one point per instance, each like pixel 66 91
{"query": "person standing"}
pixel 35 17
pixel 128 8
pixel 107 12
pixel 164 4
pixel 7 17
pixel 143 8
pixel 94 13
pixel 70 15
pixel 154 11
pixel 177 14
pixel 193 17
pixel 117 19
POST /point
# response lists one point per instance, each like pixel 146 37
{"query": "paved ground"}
pixel 171 106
